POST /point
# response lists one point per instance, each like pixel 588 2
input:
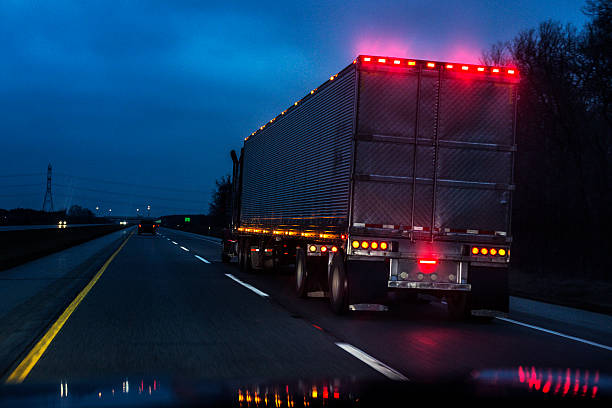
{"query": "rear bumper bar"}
pixel 466 287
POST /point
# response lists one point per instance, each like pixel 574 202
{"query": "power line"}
pixel 21 175
pixel 128 194
pixel 22 185
pixel 129 184
pixel 126 203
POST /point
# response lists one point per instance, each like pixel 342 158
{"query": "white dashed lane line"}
pixel 174 243
pixel 184 249
pixel 372 362
pixel 246 285
pixel 202 259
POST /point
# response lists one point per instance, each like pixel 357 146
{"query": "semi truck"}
pixel 395 176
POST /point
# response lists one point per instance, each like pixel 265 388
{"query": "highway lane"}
pixel 158 310
pixel 420 342
pixel 166 306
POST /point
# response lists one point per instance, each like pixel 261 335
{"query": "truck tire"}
pixel 244 256
pixel 302 277
pixel 338 285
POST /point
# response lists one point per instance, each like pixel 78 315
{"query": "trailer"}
pixel 393 176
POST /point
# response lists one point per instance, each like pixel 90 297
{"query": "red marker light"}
pixel 411 62
pixel 449 66
pixel 382 60
pixel 334 249
pixel 465 67
pixel 323 248
pixel 431 65
pixel 367 59
pixel 511 72
pixel 427 265
pixel 397 62
pixel 495 70
pixel 480 69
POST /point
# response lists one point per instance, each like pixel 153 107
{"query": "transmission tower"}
pixel 48 195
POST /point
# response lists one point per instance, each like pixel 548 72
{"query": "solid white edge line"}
pixel 372 362
pixel 567 336
pixel 174 243
pixel 184 249
pixel 202 259
pixel 246 285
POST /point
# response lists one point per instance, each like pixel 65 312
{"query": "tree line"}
pixel 562 219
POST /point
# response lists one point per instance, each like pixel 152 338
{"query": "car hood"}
pixel 516 383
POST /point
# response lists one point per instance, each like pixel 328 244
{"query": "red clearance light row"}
pixel 433 65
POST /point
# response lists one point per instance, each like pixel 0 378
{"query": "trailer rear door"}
pixel 433 148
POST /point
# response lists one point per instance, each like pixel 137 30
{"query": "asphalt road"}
pixel 166 306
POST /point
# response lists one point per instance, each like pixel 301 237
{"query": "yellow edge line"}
pixel 28 363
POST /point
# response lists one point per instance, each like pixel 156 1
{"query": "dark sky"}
pixel 133 101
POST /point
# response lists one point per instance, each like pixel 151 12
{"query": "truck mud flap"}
pixel 367 281
pixel 489 289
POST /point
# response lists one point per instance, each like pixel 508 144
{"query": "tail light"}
pixel 323 248
pixel 313 248
pixel 427 265
pixel 488 251
pixel 334 249
pixel 373 245
pixel 139 226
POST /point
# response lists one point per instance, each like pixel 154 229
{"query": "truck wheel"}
pixel 244 256
pixel 301 274
pixel 338 285
pixel 458 306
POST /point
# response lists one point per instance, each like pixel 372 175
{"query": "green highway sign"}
pixel 187 219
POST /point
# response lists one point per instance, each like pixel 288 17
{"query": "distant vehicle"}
pixel 147 226
pixel 395 175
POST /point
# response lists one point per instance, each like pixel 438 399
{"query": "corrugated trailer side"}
pixel 296 170
pixel 393 176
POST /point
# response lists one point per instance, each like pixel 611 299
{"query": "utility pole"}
pixel 48 195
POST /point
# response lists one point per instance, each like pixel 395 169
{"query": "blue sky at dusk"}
pixel 140 102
